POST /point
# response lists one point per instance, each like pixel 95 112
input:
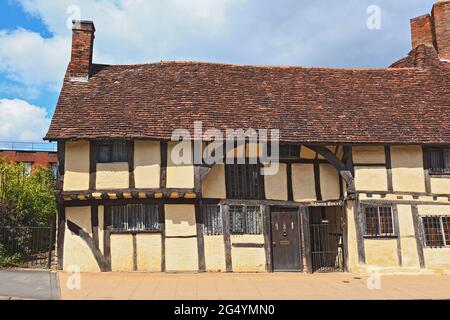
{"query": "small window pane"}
pixel 104 153
pixel 54 168
pixel 446 225
pixel 436 164
pixel 447 159
pixel 237 219
pixel 212 219
pixel 372 221
pixel 433 232
pixel 253 223
pixel 243 181
pixel 151 218
pixel 386 223
pixel 119 219
pixel 27 167
pixel 289 152
pixel 119 151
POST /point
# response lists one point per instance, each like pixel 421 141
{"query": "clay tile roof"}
pixel 407 103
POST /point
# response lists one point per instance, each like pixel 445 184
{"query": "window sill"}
pixel 135 232
pixel 443 247
pixel 380 237
pixel 440 175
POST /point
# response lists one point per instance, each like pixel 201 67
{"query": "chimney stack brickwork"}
pixel 433 30
pixel 83 34
pixel 422 31
pixel 441 18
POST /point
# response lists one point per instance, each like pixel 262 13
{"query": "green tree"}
pixel 26 199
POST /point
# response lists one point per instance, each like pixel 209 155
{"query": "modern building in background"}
pixel 31 155
pixel 364 174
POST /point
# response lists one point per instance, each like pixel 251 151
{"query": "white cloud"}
pixel 28 58
pixel 128 31
pixel 291 32
pixel 22 121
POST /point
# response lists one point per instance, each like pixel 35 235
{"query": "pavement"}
pixel 28 285
pixel 270 286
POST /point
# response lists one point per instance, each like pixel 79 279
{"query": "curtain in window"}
pixel 212 220
pixel 436 160
pixel 104 153
pixel 236 219
pixel 253 220
pixel 119 151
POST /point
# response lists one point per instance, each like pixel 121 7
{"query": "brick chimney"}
pixel 441 19
pixel 422 31
pixel 83 34
pixel 433 30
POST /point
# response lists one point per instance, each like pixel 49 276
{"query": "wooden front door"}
pixel 285 240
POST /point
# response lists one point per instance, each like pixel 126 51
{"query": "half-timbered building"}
pixel 364 164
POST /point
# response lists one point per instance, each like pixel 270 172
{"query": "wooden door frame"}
pixel 269 236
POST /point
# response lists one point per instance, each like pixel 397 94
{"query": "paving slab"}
pixel 276 286
pixel 28 284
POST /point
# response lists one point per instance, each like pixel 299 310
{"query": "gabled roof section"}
pixel 406 103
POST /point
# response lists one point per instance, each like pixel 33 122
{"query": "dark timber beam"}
pixel 60 236
pixel 306 239
pixel 344 170
pixel 200 237
pixel 102 261
pixel 92 165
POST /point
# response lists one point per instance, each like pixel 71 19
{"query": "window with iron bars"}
pixel 245 220
pixel 379 222
pixel 244 181
pixel 437 231
pixel 439 160
pixel 135 218
pixel 212 220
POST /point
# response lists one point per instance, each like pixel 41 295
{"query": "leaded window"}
pixel 379 222
pixel 114 151
pixel 437 231
pixel 135 217
pixel 439 160
pixel 212 220
pixel 245 220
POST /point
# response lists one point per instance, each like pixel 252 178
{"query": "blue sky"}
pixel 35 41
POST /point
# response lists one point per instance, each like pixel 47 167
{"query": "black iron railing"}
pixel 327 248
pixel 28 247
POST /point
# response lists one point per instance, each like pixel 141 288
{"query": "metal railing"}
pixel 27 247
pixel 28 146
pixel 327 248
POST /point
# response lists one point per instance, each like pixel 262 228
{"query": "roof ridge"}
pixel 175 62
